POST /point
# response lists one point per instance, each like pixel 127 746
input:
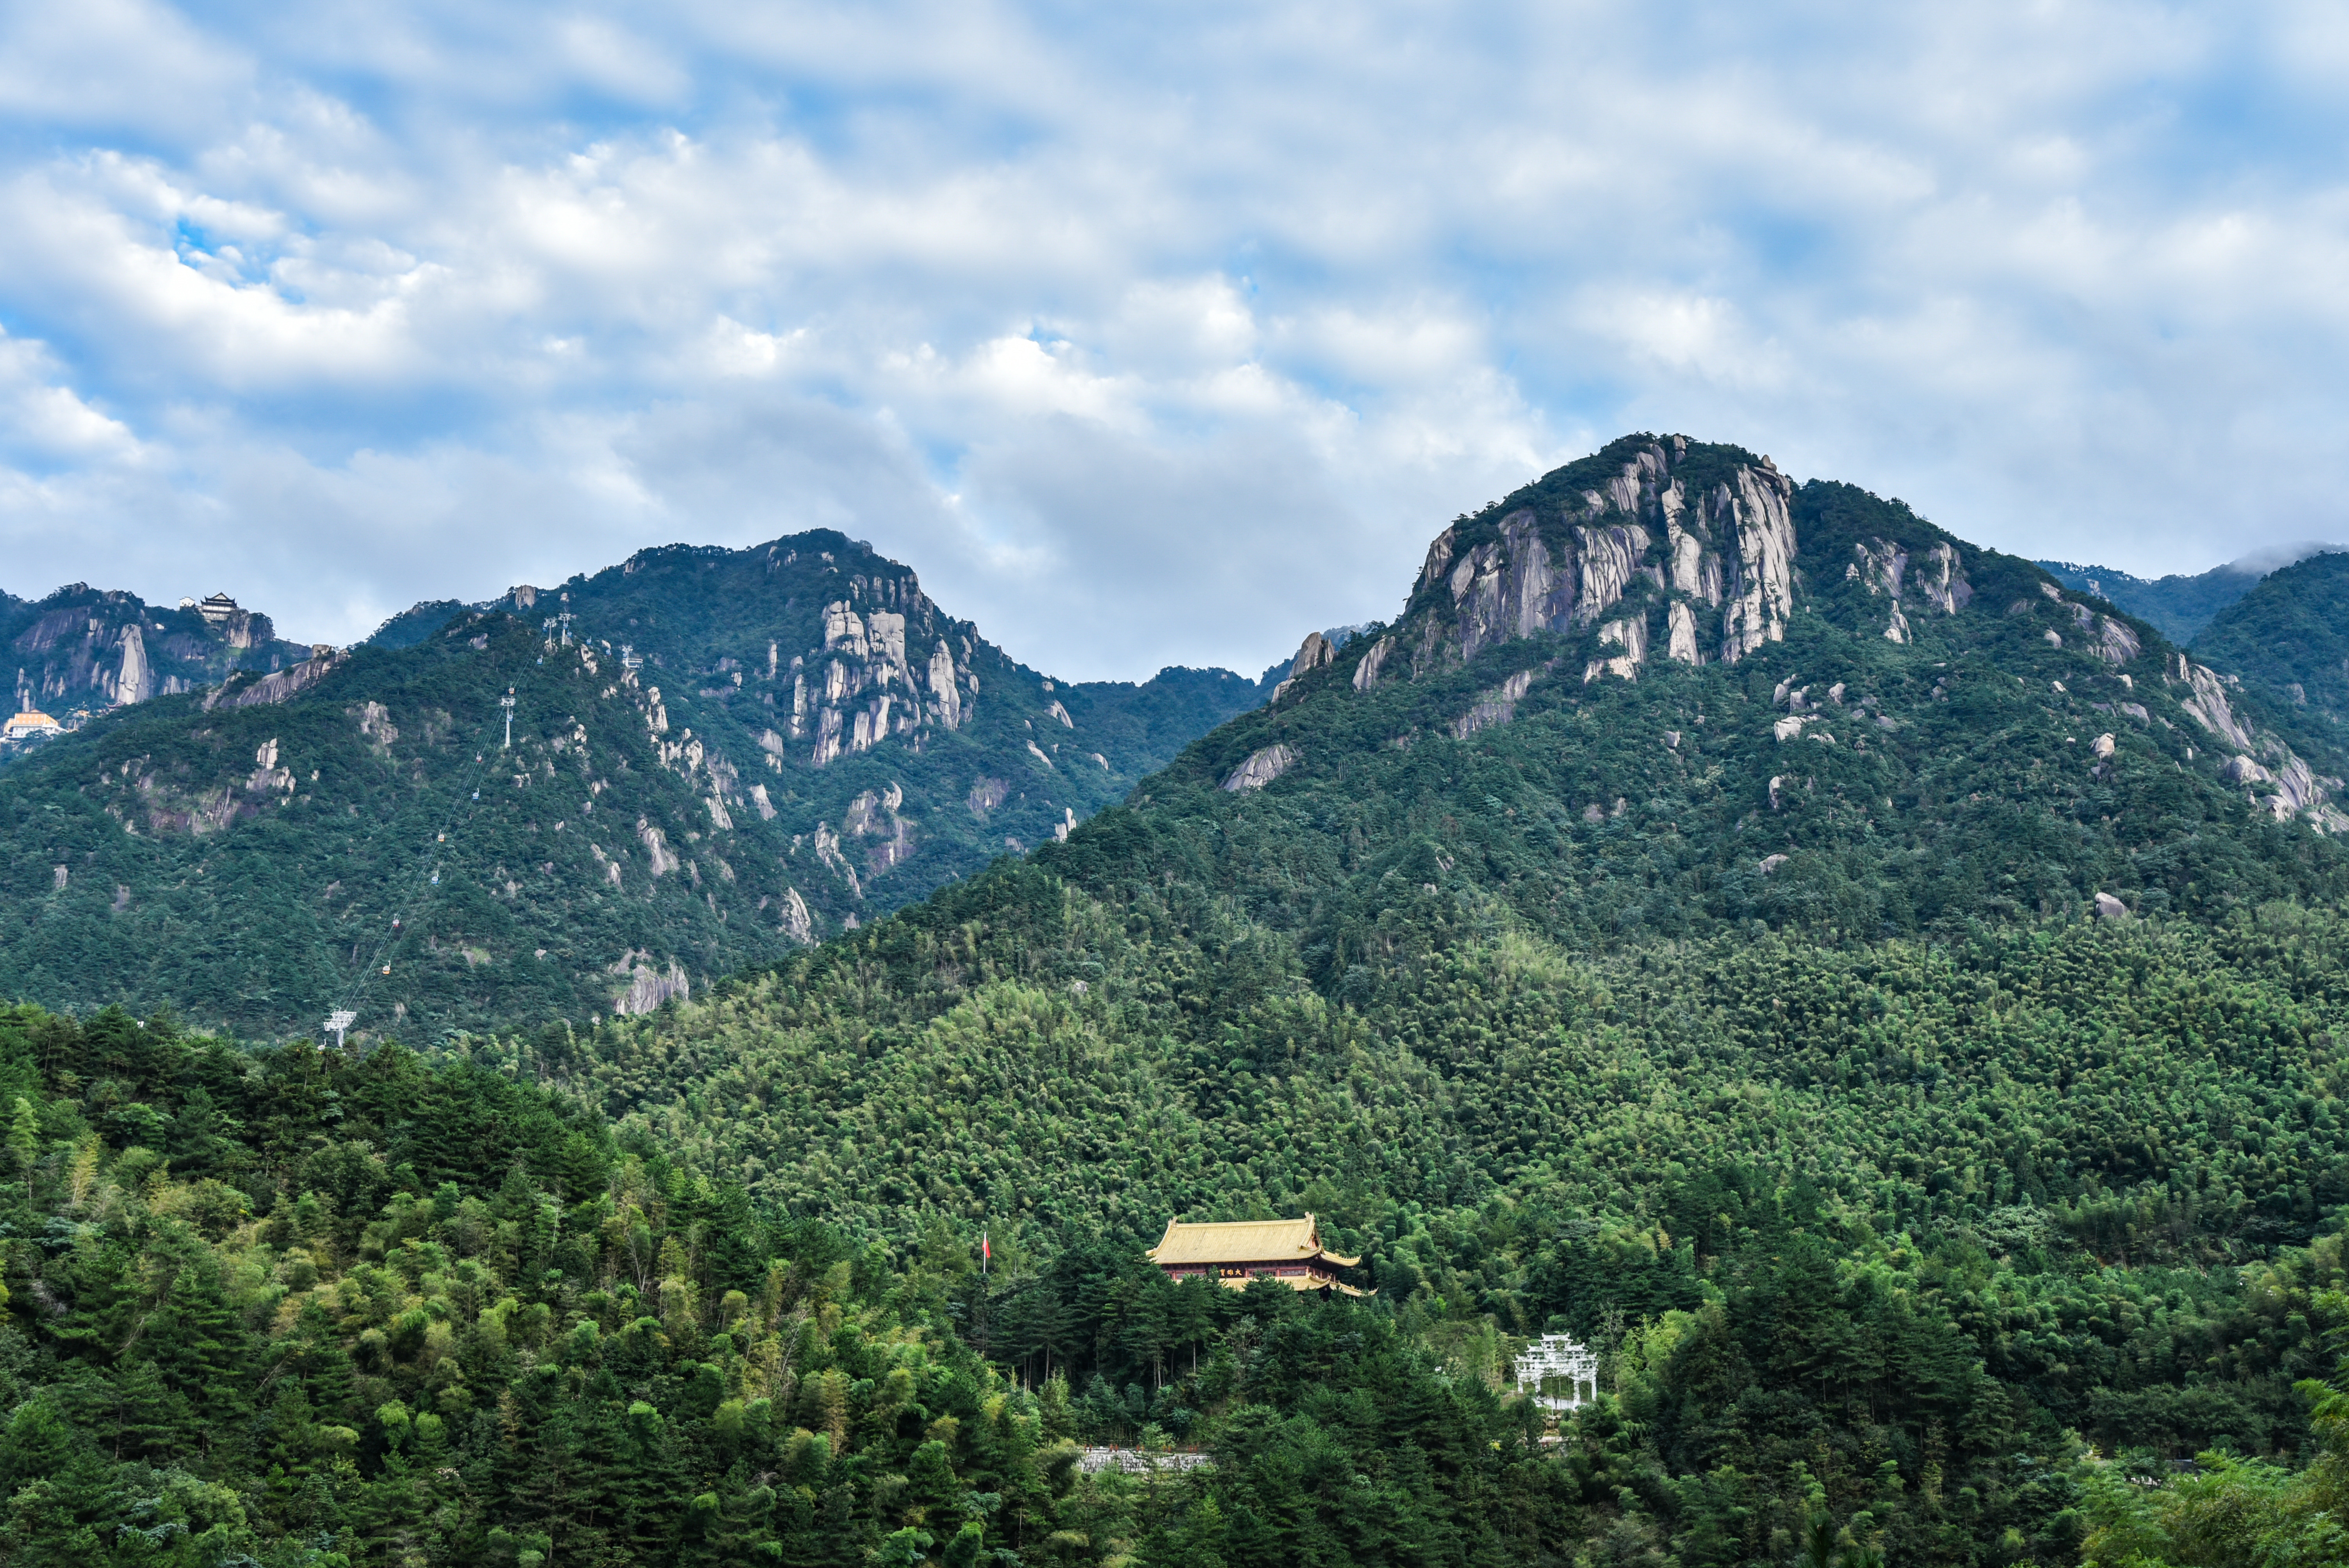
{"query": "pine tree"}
pixel 202 1353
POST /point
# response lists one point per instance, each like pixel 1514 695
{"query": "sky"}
pixel 1147 334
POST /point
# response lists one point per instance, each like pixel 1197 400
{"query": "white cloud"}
pixel 1150 335
pixel 44 422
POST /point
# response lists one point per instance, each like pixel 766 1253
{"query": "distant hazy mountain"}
pixel 2289 637
pixel 2180 605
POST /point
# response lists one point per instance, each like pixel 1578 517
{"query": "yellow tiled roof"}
pixel 1243 1242
pixel 1299 1284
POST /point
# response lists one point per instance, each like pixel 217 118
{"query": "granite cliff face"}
pixel 1702 553
pixel 1883 568
pixel 859 688
pixel 2262 761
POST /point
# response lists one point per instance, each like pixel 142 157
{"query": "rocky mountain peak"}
pixel 1878 630
pixel 1699 537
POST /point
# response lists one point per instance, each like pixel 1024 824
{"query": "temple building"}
pixel 30 722
pixel 1236 1253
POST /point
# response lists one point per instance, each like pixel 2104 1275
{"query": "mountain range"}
pixel 788 740
pixel 713 755
pixel 1882 998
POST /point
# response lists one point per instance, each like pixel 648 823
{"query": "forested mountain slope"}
pixel 1681 925
pixel 1792 704
pixel 309 1310
pixel 798 741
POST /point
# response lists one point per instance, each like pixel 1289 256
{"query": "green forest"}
pixel 1912 1065
pixel 1866 1292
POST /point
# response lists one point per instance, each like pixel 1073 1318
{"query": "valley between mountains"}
pixel 1883 999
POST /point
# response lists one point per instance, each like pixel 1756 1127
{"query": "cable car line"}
pixel 461 811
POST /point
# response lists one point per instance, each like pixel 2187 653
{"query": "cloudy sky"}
pixel 1146 335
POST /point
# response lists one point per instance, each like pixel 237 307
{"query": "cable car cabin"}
pixel 1235 1254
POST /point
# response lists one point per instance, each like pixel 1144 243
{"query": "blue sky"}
pixel 1147 335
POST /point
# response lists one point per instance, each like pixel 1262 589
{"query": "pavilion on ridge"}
pixel 1236 1253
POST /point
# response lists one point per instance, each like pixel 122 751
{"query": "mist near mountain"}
pixel 2182 604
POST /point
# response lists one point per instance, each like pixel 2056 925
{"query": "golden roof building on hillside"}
pixel 1237 1252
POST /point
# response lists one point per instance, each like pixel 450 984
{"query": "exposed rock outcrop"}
pixel 248 629
pixel 1721 557
pixel 1498 705
pixel 1937 583
pixel 268 776
pixel 865 690
pixel 1628 633
pixel 1940 578
pixel 797 924
pixel 2206 702
pixel 1880 566
pixel 274 687
pixel 2102 635
pixel 945 692
pixel 827 853
pixel 1261 769
pixel 137 681
pixel 376 726
pixel 648 987
pixel 2294 789
pixel 1681 644
pixel 875 814
pixel 2115 643
pixel 1315 651
pixel 1762 585
pixel 664 860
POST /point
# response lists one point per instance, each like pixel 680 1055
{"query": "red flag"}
pixel 986 1254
